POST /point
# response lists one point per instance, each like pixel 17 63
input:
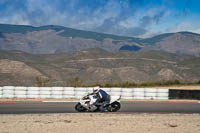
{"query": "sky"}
pixel 137 18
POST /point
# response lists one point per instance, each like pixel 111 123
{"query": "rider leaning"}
pixel 102 98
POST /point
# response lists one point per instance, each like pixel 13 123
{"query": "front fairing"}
pixel 89 99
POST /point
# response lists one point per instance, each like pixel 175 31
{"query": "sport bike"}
pixel 86 104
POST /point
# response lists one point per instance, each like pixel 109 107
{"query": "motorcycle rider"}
pixel 102 97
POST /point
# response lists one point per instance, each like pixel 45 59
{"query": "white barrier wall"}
pixel 77 92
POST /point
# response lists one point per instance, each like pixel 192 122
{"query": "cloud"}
pixel 131 22
pixel 145 21
pixel 157 18
pixel 185 26
pixel 107 25
pixel 104 16
pixel 121 17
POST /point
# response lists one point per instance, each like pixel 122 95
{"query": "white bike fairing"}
pixel 86 103
pixel 93 99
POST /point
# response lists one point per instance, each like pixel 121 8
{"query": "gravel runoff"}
pixel 100 122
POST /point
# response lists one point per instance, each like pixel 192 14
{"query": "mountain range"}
pixel 59 54
pixel 52 39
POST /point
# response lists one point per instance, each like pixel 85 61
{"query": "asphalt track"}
pixel 126 107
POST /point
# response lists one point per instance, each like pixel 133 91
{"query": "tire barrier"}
pixel 78 92
pixel 56 93
pixel 56 96
pixel 116 89
pixel 139 98
pixel 68 96
pixel 69 93
pixel 162 90
pixel 138 89
pixel 68 88
pixel 57 88
pixel 8 88
pixel 162 94
pixel 127 94
pixel 33 92
pixel 8 96
pixel 80 89
pixel 20 88
pixel 162 98
pixel 184 94
pixel 112 93
pixel 20 96
pixel 45 88
pixel 1 92
pixel 150 90
pixel 8 92
pixel 44 96
pixel 45 92
pixel 33 88
pixel 138 93
pixel 20 92
pixel 150 94
pixel 90 90
pixel 32 96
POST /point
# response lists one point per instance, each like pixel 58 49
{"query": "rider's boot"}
pixel 101 108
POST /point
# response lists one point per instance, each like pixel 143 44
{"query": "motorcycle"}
pixel 86 104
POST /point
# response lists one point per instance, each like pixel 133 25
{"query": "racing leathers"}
pixel 102 98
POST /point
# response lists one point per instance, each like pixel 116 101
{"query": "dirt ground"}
pixel 98 123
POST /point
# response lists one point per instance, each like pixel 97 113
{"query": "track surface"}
pixel 126 107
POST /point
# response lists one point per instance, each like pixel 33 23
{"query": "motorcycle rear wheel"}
pixel 114 107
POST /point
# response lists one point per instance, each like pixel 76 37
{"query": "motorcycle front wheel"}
pixel 114 107
pixel 80 108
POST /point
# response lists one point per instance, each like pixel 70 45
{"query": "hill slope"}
pixel 181 43
pixel 96 66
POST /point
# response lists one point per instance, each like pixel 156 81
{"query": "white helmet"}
pixel 96 89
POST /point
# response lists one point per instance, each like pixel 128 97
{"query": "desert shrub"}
pixel 128 84
pixel 41 82
pixel 75 82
